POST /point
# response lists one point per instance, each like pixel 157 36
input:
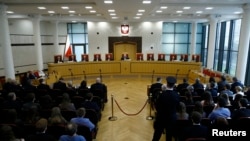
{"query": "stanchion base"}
pixel 113 118
pixel 150 118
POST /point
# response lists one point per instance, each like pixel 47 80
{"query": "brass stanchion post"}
pixel 112 118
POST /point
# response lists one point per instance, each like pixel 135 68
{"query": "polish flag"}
pixel 68 48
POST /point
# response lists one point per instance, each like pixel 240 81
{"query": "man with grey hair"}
pixel 99 89
pixel 71 130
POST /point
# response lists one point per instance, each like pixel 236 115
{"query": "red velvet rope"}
pixel 131 114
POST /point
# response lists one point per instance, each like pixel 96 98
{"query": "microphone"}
pixel 84 75
pixel 100 70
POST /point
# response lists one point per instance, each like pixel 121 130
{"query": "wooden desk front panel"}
pixel 124 67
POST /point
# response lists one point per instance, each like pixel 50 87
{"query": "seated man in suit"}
pixel 71 130
pixel 184 57
pixel 242 111
pixel 139 57
pixel 109 57
pixel 124 57
pixel 60 84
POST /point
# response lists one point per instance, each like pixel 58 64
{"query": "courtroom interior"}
pixel 109 63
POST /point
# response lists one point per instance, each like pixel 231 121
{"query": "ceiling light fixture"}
pixel 164 7
pixel 51 12
pixel 65 7
pixel 9 12
pixel 199 12
pixel 158 11
pixel 179 11
pixel 209 8
pixel 88 7
pixel 141 10
pixel 92 11
pixel 41 8
pixel 72 11
pixel 111 10
pixel 108 1
pixel 146 2
pixel 187 7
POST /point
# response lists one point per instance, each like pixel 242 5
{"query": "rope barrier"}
pixel 130 114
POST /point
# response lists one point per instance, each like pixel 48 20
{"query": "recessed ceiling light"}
pixel 114 17
pixel 137 17
pixel 179 11
pixel 209 8
pixel 92 11
pixel 51 12
pixel 237 12
pixel 41 8
pixel 146 2
pixel 187 7
pixel 112 14
pixel 139 14
pixel 164 7
pixel 9 12
pixel 98 14
pixel 88 7
pixel 73 21
pixel 158 11
pixel 72 11
pixel 111 10
pixel 175 21
pixel 199 12
pixel 65 7
pixel 108 1
pixel 141 10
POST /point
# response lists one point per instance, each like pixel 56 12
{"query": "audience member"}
pixel 11 102
pixel 190 88
pixel 188 98
pixel 46 102
pixel 7 134
pixel 222 83
pixel 227 90
pixel 238 90
pixel 182 85
pixel 56 117
pixel 155 88
pixel 66 103
pixel 207 100
pixel 98 86
pixel 30 106
pixel 181 112
pixel 166 111
pixel 83 85
pixel 89 104
pixel 226 97
pixel 60 84
pixel 41 135
pixel 80 120
pixel 236 101
pixel 161 57
pixel 242 111
pixel 220 110
pixel 212 89
pixel 71 130
pixel 196 130
pixel 97 58
pixel 199 108
pixel 198 84
pixel 235 83
pixel 42 85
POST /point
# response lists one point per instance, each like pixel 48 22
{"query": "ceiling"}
pixel 126 10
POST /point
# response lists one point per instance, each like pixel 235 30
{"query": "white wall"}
pixel 106 30
pixel 21 32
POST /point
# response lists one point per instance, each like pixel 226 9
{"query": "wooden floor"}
pixel 130 92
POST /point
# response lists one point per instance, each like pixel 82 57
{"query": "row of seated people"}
pixel 28 111
pixel 125 56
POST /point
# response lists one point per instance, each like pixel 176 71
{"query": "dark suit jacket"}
pixel 242 112
pixel 43 86
pixel 233 85
pixel 182 86
pixel 40 137
pixel 60 85
pixel 166 107
pixel 195 131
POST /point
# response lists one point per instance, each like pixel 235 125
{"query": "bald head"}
pixel 98 80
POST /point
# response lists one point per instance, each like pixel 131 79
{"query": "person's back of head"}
pixel 223 78
pixel 163 87
pixel 212 84
pixel 228 86
pixel 235 79
pixel 238 88
pixel 89 96
pixel 221 102
pixel 158 79
pixel 81 112
pixel 65 97
pixel 71 129
pixel 181 108
pixel 184 80
pixel 41 125
pixel 6 133
pixel 30 97
pixel 84 83
pixel 56 111
pixel 243 102
pixel 11 96
pixel 98 80
pixel 190 88
pixel 238 97
pixel 196 117
pixel 198 107
pixel 197 80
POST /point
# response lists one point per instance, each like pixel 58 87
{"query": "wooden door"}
pixel 121 48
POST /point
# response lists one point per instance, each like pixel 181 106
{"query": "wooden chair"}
pixel 72 58
pixel 85 58
pixel 139 56
pixel 196 57
pixel 58 58
pixel 184 57
pixel 97 57
pixel 161 57
pixel 150 57
pixel 173 57
pixel 109 57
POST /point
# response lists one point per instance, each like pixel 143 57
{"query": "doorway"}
pixel 121 48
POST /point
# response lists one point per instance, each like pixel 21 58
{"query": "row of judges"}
pixel 125 56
